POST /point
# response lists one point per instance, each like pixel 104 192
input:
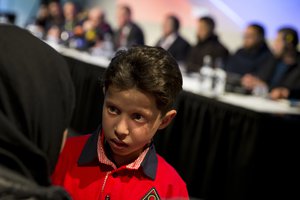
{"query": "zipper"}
pixel 104 183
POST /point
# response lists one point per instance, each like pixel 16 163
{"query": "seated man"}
pixel 96 17
pixel 284 70
pixel 128 33
pixel 208 44
pixel 253 55
pixel 172 40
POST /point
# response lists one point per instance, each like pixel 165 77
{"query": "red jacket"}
pixel 84 177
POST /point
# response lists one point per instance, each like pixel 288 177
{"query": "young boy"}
pixel 119 160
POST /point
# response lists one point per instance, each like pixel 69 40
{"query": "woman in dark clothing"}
pixel 208 44
pixel 254 54
pixel 36 103
pixel 284 70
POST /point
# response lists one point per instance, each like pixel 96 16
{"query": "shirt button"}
pixel 107 197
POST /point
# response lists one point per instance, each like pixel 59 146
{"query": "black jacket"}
pixel 179 49
pixel 135 36
pixel 289 79
pixel 246 61
pixel 36 104
pixel 13 186
pixel 211 46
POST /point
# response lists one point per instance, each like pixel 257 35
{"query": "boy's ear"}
pixel 167 119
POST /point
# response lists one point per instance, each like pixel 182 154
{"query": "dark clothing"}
pixel 246 61
pixel 211 46
pixel 55 21
pixel 179 49
pixel 278 74
pixel 295 93
pixel 134 36
pixel 105 31
pixel 14 186
pixel 36 103
pixel 69 25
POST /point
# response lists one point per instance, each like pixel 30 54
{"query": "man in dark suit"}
pixel 128 33
pixel 172 41
pixel 208 44
pixel 254 54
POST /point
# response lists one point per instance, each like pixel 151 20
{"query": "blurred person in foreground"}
pixel 281 72
pixel 36 103
pixel 128 33
pixel 208 44
pixel 254 54
pixel 171 39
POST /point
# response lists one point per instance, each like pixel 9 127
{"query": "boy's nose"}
pixel 121 129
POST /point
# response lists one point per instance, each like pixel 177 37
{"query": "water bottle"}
pixel 206 74
pixel 219 78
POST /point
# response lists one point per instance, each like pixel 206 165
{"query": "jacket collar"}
pixel 89 156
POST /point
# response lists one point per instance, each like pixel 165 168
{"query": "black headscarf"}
pixel 36 103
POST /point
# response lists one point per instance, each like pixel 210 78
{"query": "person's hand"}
pixel 279 93
pixel 250 82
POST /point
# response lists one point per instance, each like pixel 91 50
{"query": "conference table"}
pixel 230 146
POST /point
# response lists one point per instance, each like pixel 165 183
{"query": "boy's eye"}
pixel 138 117
pixel 113 110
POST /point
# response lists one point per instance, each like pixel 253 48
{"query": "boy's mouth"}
pixel 118 144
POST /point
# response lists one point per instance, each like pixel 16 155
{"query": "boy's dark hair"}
pixel 149 69
pixel 210 22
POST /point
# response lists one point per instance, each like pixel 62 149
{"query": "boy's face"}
pixel 130 119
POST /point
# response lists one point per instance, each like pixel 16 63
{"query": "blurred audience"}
pixel 253 55
pixel 53 34
pixel 281 72
pixel 70 17
pixel 171 39
pixel 98 33
pixel 260 69
pixel 208 44
pixel 128 33
pixel 39 25
pixel 37 99
pixel 56 17
pixel 97 18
